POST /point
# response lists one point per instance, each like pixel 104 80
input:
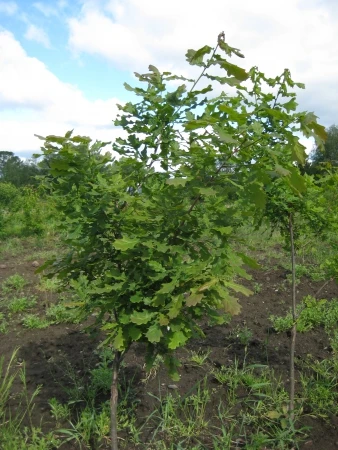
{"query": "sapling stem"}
pixel 294 321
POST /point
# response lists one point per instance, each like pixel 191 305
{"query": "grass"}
pixel 14 283
pixel 199 357
pixel 237 405
pixel 3 324
pixel 59 313
pixel 263 418
pixel 34 321
pixel 13 435
pixel 319 380
pixel 48 285
pixel 312 313
pixel 19 304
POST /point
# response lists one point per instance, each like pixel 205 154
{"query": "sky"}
pixel 63 62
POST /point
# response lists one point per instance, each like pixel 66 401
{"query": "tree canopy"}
pixel 326 157
pixel 16 171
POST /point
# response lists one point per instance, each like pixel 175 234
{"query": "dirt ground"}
pixel 43 350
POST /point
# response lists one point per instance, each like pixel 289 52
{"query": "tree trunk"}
pixel 294 321
pixel 114 393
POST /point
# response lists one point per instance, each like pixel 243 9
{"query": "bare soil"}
pixel 45 350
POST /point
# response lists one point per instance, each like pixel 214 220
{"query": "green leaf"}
pixel 207 285
pixel 118 342
pixel 291 105
pixel 273 414
pixel 142 317
pixel 230 304
pixel 231 81
pixel 281 170
pixel 137 298
pixel 167 288
pixel 196 57
pixel 134 332
pixel 125 243
pixel 200 123
pixel 238 288
pixel 225 231
pixel 174 307
pixel 249 261
pixel 240 118
pixel 128 87
pixel 319 130
pixel 297 181
pixel 163 320
pixel 154 333
pixel 69 133
pixel 176 181
pixel 207 191
pixel 224 136
pixel 298 153
pixel 194 299
pixel 177 339
pixel 234 70
pixel 257 128
pixel 256 195
pixel 154 69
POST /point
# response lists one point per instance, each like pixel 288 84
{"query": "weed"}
pixel 91 425
pixel 13 283
pixel 48 285
pixel 3 324
pixel 12 434
pixel 199 357
pixel 58 411
pixel 257 288
pixel 34 321
pixel 311 313
pixel 59 313
pixel 19 304
pixel 182 419
pixel 319 383
pixel 151 374
pixel 244 335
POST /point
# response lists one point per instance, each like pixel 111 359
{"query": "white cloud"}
pixel 116 41
pixel 35 101
pixel 45 9
pixel 299 34
pixel 62 4
pixel 8 8
pixel 37 34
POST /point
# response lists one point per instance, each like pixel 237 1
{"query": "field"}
pixel 233 391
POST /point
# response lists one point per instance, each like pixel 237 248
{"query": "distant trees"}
pixel 328 157
pixel 16 171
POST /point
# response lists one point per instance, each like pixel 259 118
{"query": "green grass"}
pixel 14 283
pixel 59 313
pixel 48 285
pixel 312 313
pixel 3 324
pixel 34 321
pixel 19 304
pixel 13 435
pixel 319 380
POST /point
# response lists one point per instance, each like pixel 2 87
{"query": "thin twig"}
pixel 321 288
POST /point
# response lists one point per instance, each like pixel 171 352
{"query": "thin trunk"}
pixel 294 326
pixel 113 401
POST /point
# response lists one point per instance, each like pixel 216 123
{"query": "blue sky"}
pixel 63 63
